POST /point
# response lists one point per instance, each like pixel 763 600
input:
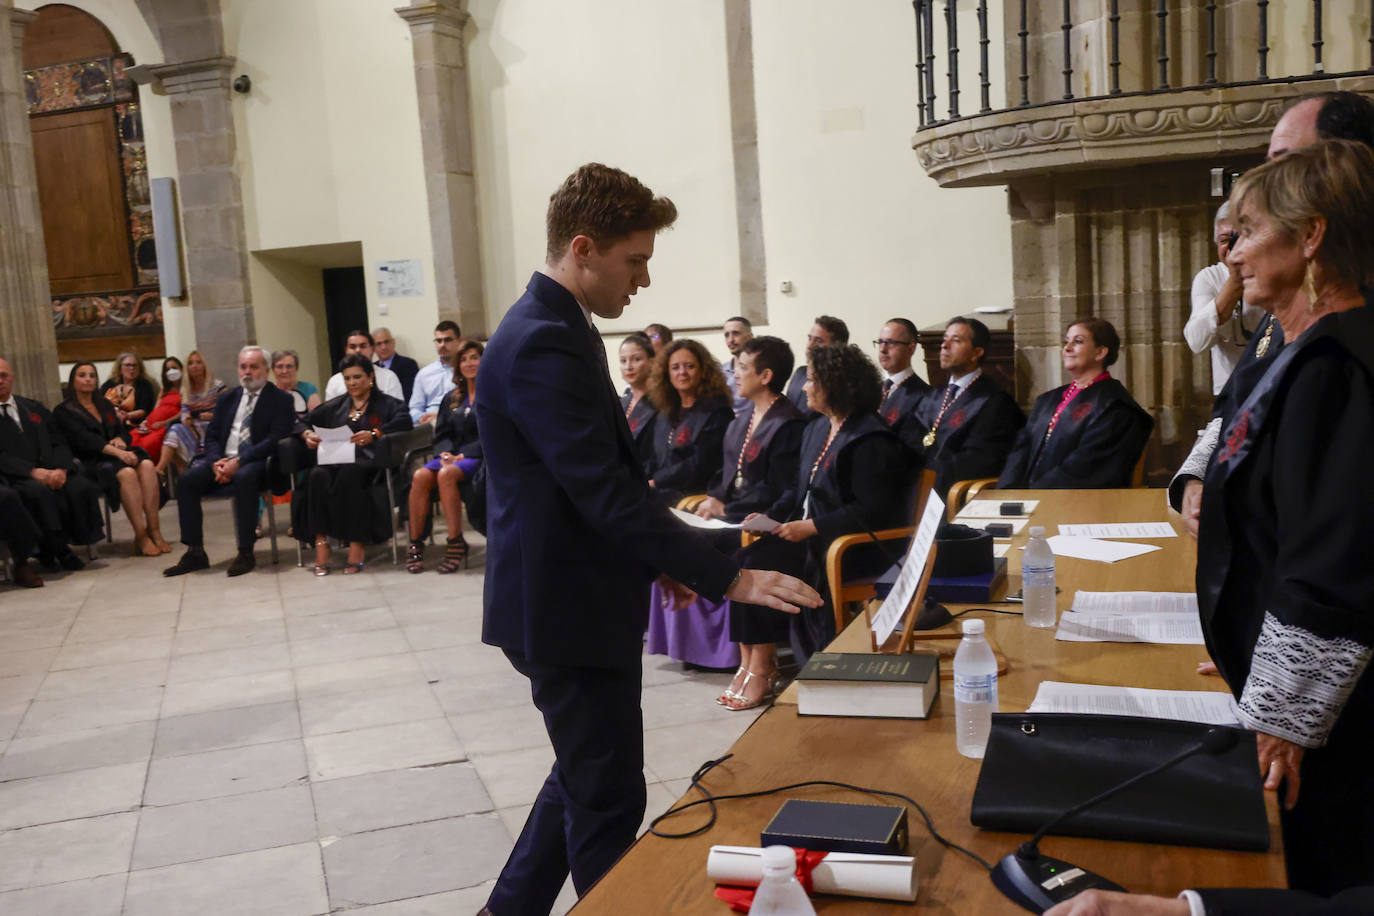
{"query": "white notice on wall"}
pixel 400 278
pixel 904 589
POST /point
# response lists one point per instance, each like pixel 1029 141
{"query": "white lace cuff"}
pixel 1299 682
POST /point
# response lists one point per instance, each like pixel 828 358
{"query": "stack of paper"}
pixel 1121 530
pixel 1206 706
pixel 1155 617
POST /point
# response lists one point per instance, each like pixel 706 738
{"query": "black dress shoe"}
pixel 245 562
pixel 26 576
pixel 71 562
pixel 48 560
pixel 192 560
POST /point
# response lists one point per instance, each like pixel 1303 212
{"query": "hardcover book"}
pixel 881 686
pixel 837 827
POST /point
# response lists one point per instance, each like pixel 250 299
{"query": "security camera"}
pixel 242 84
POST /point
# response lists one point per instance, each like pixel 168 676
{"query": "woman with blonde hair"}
pixel 199 392
pixel 129 390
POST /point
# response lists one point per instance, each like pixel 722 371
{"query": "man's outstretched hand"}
pixel 773 589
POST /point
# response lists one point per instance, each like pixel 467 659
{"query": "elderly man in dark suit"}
pixel 575 539
pixel 384 354
pixel 244 431
pixel 37 464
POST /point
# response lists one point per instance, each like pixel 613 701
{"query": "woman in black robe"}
pixel 694 410
pixel 636 365
pixel 338 496
pixel 1086 434
pixel 852 476
pixel 1285 584
pixel 99 440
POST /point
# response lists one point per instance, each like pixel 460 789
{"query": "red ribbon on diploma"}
pixel 741 898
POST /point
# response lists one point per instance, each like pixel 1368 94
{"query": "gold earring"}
pixel 1309 287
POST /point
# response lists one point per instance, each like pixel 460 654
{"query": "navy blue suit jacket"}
pixel 574 538
pixel 406 369
pixel 273 419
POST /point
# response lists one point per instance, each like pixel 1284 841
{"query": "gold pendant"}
pixel 929 439
pixel 1263 346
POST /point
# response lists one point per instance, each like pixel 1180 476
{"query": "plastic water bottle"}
pixel 780 893
pixel 1037 581
pixel 975 691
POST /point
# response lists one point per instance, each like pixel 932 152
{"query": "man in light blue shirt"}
pixel 436 379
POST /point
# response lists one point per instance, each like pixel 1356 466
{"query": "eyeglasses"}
pixel 882 342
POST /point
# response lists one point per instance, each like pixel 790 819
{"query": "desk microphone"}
pixel 1036 882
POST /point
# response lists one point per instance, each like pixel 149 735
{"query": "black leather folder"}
pixel 1039 765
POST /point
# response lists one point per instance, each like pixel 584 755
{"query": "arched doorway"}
pixel 93 189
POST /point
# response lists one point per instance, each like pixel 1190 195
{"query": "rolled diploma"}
pixel 849 874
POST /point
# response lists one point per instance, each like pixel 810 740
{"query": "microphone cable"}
pixel 710 800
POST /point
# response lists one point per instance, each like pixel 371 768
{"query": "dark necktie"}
pixel 598 347
pixel 887 388
pixel 245 428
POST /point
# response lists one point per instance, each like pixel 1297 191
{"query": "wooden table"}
pixel 919 758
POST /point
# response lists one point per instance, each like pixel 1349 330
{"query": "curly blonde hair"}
pixel 661 390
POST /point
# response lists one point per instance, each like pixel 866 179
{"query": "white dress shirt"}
pixel 896 379
pixel 963 381
pixel 383 379
pixel 13 412
pixel 246 405
pixel 1226 339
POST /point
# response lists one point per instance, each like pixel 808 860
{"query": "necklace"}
pixel 634 402
pixel 748 435
pixel 1069 394
pixel 356 413
pixel 834 430
pixel 1262 348
pixel 929 438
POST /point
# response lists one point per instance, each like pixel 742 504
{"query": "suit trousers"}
pixel 591 804
pixel 17 528
pixel 67 515
pixel 198 482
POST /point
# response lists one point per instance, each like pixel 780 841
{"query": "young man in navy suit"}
pixel 574 538
pixel 244 431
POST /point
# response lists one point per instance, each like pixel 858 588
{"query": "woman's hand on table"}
pixel 1280 760
pixel 1208 669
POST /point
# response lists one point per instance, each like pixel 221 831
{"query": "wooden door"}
pixel 81 193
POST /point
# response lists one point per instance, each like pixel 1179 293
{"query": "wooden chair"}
pixel 963 491
pixel 843 592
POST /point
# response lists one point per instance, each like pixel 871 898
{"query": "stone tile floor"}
pixel 278 743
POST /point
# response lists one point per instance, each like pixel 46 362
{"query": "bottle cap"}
pixel 1037 531
pixel 973 627
pixel 779 858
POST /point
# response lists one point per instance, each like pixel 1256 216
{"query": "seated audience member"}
pixel 636 365
pixel 1217 901
pixel 36 462
pixel 902 387
pixel 286 364
pixel 20 534
pixel 151 433
pixel 825 331
pixel 758 466
pixel 435 380
pixel 129 390
pixel 384 354
pixel 1086 434
pixel 248 423
pixel 965 429
pixel 386 380
pixel 852 476
pixel 457 455
pixel 123 472
pixel 693 412
pixel 1220 322
pixel 738 332
pixel 660 335
pixel 185 440
pixel 337 497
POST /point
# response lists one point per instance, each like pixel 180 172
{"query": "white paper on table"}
pixel 1121 530
pixel 849 874
pixel 1000 550
pixel 1017 524
pixel 992 508
pixel 1209 707
pixel 1135 602
pixel 696 521
pixel 336 446
pixel 1161 628
pixel 904 589
pixel 1092 549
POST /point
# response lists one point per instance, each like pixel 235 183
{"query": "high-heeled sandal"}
pixel 352 569
pixel 741 702
pixel 415 557
pixel 728 693
pixel 455 555
pixel 321 569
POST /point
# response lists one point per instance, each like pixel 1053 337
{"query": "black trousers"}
pixel 67 515
pixel 808 631
pixel 589 810
pixel 18 530
pixel 198 482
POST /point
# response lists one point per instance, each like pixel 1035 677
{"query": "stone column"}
pixel 211 201
pixel 27 338
pixel 744 138
pixel 441 83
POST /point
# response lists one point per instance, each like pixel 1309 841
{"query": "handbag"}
pixel 1039 765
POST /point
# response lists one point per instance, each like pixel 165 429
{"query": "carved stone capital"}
pixel 211 74
pixel 441 15
pixel 18 20
pixel 1115 132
